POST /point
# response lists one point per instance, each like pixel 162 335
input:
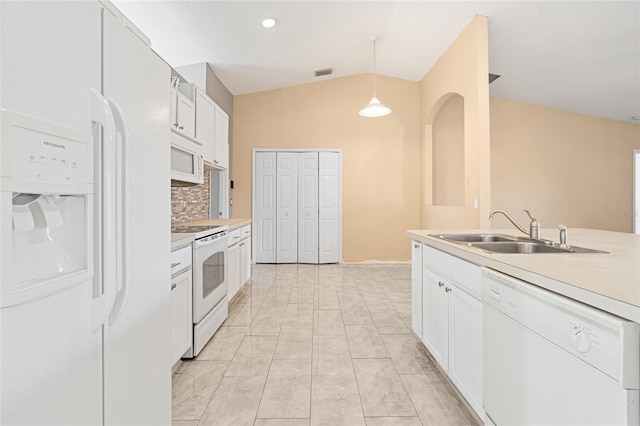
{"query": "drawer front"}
pixel 180 259
pixel 235 236
pixel 245 232
pixel 464 274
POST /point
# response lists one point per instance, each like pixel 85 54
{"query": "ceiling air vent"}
pixel 493 77
pixel 325 71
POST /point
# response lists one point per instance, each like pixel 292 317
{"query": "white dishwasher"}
pixel 549 360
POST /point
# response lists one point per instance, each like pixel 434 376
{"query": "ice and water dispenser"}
pixel 46 205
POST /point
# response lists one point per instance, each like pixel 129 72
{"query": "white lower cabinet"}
pixel 451 318
pixel 181 303
pixel 239 259
pixel 435 321
pixel 234 270
pixel 245 259
pixel 465 346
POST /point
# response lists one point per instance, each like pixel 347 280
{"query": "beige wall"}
pixel 566 168
pixel 447 140
pixel 381 156
pixel 462 69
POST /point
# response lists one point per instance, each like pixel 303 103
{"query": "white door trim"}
pixel 636 191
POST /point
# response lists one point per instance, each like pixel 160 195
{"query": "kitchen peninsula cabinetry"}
pixel 181 303
pixel 451 313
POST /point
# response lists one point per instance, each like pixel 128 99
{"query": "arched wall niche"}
pixel 454 99
pixel 446 123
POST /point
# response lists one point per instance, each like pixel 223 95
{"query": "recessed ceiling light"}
pixel 268 22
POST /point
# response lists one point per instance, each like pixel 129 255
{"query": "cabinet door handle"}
pixel 416 246
pixel 440 284
pixel 181 127
pixel 173 286
pixel 173 265
pixel 448 289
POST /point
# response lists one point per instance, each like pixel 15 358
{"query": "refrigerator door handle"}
pixel 102 304
pixel 122 214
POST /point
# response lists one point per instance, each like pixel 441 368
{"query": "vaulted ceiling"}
pixel 581 56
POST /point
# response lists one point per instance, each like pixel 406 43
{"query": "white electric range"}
pixel 210 286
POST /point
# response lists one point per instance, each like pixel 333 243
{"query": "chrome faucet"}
pixel 534 226
pixel 563 236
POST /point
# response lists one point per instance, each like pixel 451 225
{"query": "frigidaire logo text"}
pixel 54 145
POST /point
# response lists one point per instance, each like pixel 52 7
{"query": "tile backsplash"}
pixel 190 202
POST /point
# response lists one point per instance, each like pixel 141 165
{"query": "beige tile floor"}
pixel 317 345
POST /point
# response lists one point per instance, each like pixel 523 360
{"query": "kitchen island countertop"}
pixel 610 282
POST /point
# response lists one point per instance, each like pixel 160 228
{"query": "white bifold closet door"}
pixel 287 207
pixel 308 207
pixel 297 207
pixel 265 207
pixel 329 207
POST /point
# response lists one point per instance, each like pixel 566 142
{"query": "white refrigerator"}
pixel 84 219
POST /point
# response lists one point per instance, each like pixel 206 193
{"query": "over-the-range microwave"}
pixel 187 164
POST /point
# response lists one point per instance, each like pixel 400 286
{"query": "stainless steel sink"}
pixel 475 238
pixel 521 247
pixel 501 243
pixel 518 247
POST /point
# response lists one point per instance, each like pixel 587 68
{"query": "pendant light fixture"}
pixel 375 108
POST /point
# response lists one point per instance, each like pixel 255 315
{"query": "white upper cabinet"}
pixel 210 124
pixel 183 113
pixel 205 126
pixel 221 152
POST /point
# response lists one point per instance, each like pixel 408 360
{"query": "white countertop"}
pixel 231 223
pixel 610 282
pixel 181 240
